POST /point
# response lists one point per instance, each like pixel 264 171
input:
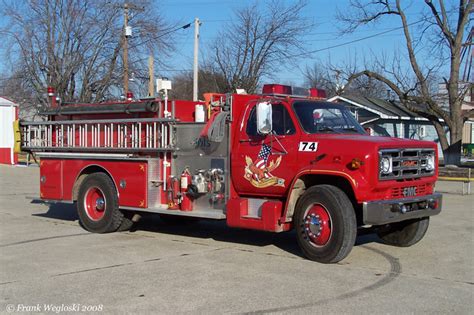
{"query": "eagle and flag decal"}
pixel 259 172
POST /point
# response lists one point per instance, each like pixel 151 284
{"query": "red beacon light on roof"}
pixel 53 101
pixel 50 91
pixel 317 93
pixel 277 89
pixel 286 90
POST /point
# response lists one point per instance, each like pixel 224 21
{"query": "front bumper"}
pixel 388 211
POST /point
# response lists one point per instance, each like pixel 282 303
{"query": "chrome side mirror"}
pixel 264 118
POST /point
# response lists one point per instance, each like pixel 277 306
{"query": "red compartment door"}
pixel 51 179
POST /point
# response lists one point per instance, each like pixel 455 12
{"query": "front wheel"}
pixel 405 233
pixel 97 204
pixel 325 224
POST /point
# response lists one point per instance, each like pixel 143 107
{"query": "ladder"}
pixel 108 135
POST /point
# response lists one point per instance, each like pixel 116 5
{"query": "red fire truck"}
pixel 271 162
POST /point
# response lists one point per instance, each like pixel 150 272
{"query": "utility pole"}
pixel 127 32
pixel 125 50
pixel 151 82
pixel 196 52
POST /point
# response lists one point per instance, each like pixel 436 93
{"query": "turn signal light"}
pixel 433 204
pixel 356 164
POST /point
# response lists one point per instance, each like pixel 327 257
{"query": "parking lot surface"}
pixel 48 261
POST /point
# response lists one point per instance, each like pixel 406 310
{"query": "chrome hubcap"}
pixel 317 225
pixel 314 224
pixel 100 203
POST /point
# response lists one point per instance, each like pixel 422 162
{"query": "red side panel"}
pixel 132 174
pixel 237 210
pixel 5 155
pixel 51 179
pixel 15 155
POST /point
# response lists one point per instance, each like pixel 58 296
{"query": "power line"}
pixel 291 56
pixel 162 35
pixel 335 46
pixel 207 40
pixel 155 37
pixel 352 41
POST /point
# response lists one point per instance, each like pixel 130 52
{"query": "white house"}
pixel 8 114
pixel 389 118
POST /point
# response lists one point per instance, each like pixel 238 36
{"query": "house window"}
pixel 422 131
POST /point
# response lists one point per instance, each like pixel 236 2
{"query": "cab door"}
pixel 265 164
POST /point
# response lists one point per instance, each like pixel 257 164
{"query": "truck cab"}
pixel 272 162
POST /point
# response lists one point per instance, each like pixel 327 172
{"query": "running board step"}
pixel 214 214
pixel 251 217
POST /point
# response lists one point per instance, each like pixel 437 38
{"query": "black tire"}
pixel 405 233
pixel 110 217
pixel 341 224
pixel 127 222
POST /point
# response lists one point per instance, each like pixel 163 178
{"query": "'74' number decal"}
pixel 308 146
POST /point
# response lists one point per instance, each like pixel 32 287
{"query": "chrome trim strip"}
pixel 405 200
pixel 380 212
pixel 96 121
pixel 92 156
pixel 48 201
pixel 205 214
pixel 101 149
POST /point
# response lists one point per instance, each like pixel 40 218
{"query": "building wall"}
pixel 7 115
pixel 468 132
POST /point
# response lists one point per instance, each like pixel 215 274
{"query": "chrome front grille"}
pixel 407 163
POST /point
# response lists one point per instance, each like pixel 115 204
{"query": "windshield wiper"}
pixel 327 128
pixel 351 129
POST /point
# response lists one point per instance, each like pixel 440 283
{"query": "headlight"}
pixel 386 165
pixel 430 162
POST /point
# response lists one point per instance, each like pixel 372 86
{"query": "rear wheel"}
pixel 127 222
pixel 97 204
pixel 405 233
pixel 325 224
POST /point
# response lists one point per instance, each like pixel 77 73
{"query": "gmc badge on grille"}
pixel 409 191
pixel 409 163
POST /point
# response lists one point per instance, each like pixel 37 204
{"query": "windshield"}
pixel 319 117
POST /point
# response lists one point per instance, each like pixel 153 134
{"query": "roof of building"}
pixel 6 102
pixel 383 108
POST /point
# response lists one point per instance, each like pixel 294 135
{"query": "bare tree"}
pixel 322 77
pixel 209 81
pixel 332 79
pixel 17 90
pixel 75 45
pixel 260 41
pixel 445 27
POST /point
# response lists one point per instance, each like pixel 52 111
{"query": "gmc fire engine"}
pixel 271 162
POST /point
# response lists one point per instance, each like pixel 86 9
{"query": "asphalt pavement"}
pixel 49 264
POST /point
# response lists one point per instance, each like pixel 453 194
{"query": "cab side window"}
pixel 281 121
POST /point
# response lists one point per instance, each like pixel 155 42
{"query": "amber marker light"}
pixel 356 164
